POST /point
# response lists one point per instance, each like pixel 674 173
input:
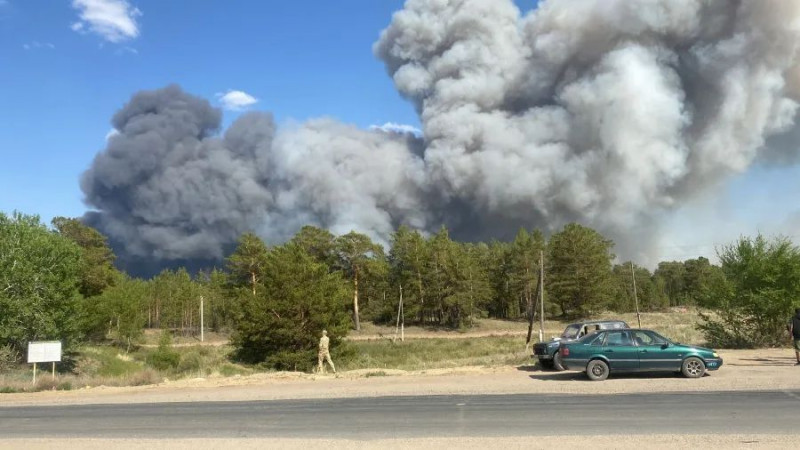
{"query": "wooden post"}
pixel 202 336
pixel 399 309
pixel 54 370
pixel 541 299
pixel 402 318
pixel 636 297
pixel 34 373
pixel 532 314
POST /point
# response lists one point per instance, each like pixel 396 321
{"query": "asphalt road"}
pixel 424 416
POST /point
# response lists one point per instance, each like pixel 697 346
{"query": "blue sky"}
pixel 60 87
pixel 62 77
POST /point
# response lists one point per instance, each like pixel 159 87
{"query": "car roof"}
pixel 626 329
pixel 593 322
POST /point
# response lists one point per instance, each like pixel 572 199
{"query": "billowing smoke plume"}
pixel 606 112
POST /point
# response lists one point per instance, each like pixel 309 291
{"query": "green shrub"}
pixel 164 357
pixel 9 358
pixel 190 362
pixel 756 298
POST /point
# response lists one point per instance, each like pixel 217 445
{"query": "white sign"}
pixel 45 351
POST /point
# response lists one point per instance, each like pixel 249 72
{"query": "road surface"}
pixel 774 412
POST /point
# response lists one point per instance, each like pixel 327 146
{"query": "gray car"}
pixel 547 352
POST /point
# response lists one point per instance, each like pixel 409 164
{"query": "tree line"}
pixel 59 282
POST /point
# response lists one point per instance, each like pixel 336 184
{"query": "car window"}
pixel 571 331
pixel 589 329
pixel 647 338
pixel 658 339
pixel 618 338
pixel 598 339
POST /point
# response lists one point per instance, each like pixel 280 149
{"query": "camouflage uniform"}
pixel 324 353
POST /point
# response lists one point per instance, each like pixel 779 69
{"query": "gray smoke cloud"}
pixel 606 112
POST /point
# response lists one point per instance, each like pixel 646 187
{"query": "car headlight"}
pixel 715 354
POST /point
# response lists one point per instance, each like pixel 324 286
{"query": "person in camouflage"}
pixel 324 353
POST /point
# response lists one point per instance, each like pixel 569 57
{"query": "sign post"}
pixel 44 351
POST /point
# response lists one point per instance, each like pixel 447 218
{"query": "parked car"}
pixel 635 350
pixel 547 352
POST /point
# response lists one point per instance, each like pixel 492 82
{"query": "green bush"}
pixel 762 280
pixel 164 357
pixel 9 358
pixel 190 362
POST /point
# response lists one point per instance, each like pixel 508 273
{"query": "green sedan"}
pixel 603 352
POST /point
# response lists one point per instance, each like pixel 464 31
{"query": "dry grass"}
pixel 490 343
pixel 421 354
pixel 679 325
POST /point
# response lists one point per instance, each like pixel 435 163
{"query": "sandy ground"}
pixel 770 369
pixel 506 443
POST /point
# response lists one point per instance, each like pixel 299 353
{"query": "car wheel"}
pixel 558 364
pixel 597 370
pixel 693 367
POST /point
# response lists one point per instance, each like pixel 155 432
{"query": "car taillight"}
pixel 564 351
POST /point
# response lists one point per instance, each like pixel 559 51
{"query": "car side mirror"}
pixel 665 345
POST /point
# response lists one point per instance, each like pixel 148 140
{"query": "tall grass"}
pixel 112 366
pixel 420 354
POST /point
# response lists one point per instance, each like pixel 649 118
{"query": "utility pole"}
pixel 541 298
pixel 636 297
pixel 201 319
pixel 401 320
pixel 532 313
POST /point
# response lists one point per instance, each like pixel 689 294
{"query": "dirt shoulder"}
pixel 526 442
pixel 770 369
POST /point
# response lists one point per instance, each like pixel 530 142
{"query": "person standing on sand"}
pixel 794 330
pixel 324 352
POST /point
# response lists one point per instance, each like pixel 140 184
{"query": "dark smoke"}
pixel 606 112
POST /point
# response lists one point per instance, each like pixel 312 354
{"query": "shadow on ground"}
pixel 753 362
pixel 580 376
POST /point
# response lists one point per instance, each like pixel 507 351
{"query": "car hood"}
pixel 693 347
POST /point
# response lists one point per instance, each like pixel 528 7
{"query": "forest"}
pixel 60 282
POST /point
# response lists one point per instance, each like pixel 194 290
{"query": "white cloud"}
pixel 236 100
pixel 113 20
pixel 392 127
pixel 36 45
pixel 111 133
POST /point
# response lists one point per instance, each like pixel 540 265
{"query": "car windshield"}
pixel 660 339
pixel 571 332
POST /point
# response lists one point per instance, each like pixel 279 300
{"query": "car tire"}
pixel 558 364
pixel 693 367
pixel 597 370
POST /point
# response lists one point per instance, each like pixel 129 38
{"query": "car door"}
pixel 653 352
pixel 620 350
